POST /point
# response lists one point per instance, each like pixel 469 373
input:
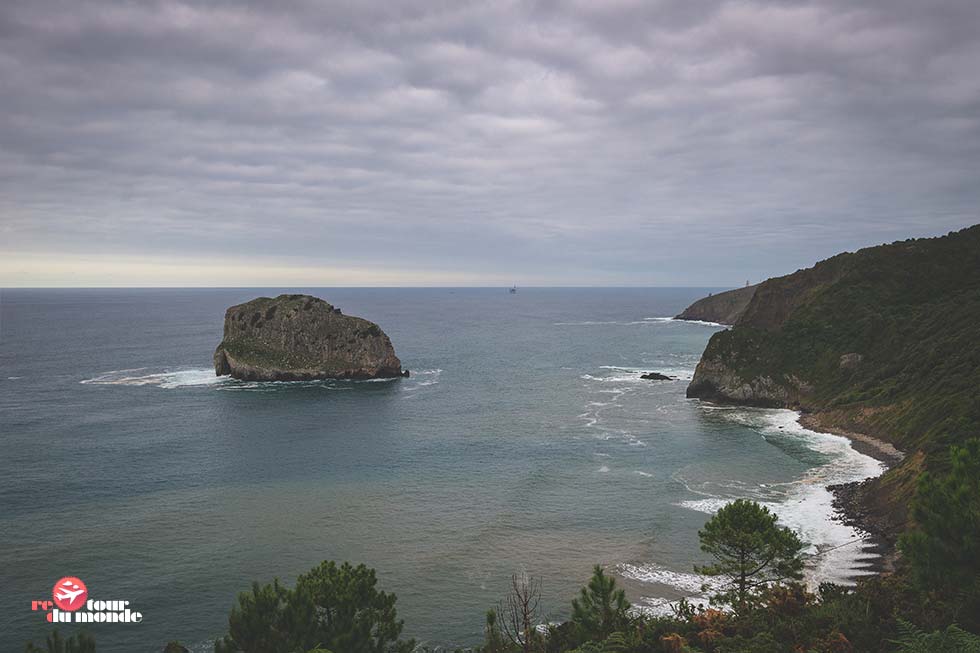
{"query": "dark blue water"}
pixel 524 441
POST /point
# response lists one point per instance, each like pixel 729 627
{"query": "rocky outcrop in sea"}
pixel 302 338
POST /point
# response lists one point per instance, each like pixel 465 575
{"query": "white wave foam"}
pixel 172 379
pixel 646 474
pixel 604 469
pixel 591 323
pixel 686 582
pixel 633 375
pixel 205 377
pixel 836 551
pixel 424 378
pixel 680 321
pixel 694 588
pixel 647 321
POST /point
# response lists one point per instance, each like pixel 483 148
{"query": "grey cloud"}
pixel 668 142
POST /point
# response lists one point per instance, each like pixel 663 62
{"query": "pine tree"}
pixel 332 607
pixel 751 549
pixel 600 609
pixel 944 547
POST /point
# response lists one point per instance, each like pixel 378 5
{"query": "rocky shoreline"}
pixel 851 500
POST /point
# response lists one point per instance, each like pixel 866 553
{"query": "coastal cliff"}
pixel 724 307
pixel 301 338
pixel 881 342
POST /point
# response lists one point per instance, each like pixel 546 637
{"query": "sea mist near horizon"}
pixel 524 441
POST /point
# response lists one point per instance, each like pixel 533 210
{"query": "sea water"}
pixel 523 442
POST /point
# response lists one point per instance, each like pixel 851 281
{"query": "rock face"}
pixel 880 342
pixel 716 380
pixel 724 308
pixel 886 337
pixel 302 338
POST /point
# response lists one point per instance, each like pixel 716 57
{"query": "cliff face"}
pixel 724 308
pixel 883 341
pixel 299 338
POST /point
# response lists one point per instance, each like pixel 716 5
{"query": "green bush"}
pixel 336 607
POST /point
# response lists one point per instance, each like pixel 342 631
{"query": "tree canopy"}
pixel 943 548
pixel 751 549
pixel 600 608
pixel 334 607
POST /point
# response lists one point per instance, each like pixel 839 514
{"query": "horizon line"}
pixel 426 287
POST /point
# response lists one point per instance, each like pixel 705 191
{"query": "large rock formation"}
pixel 881 342
pixel 885 338
pixel 302 338
pixel 724 308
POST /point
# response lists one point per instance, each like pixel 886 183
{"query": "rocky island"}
pixel 302 338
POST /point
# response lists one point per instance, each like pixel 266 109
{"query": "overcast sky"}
pixel 598 142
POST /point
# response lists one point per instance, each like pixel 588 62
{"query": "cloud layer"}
pixel 618 142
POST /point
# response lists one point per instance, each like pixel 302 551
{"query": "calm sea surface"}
pixel 523 442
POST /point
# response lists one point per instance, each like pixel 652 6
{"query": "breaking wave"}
pixel 205 378
pixel 674 319
pixel 172 379
pixel 837 552
pixel 647 321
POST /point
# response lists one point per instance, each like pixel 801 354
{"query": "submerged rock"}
pixel 656 376
pixel 302 338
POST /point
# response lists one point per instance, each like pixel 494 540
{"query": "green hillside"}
pixel 905 317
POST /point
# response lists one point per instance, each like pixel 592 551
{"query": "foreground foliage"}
pixel 78 643
pixel 334 607
pixel 751 550
pixel 943 548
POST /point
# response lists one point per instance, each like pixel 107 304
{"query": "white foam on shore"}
pixel 674 319
pixel 836 551
pixel 687 583
pixel 694 588
pixel 647 321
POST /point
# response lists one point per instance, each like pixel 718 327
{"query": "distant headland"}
pixel 878 345
pixel 723 308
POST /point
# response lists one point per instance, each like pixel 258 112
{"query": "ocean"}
pixel 523 442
